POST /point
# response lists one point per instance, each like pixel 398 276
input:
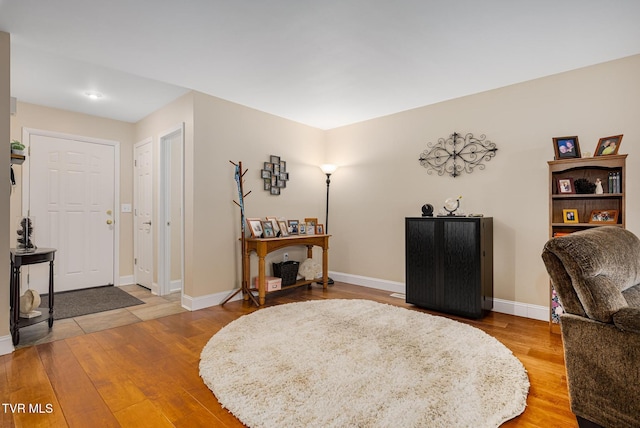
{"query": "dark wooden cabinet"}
pixel 449 264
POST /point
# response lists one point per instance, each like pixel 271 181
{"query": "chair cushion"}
pixel 602 263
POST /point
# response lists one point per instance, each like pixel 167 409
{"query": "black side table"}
pixel 18 259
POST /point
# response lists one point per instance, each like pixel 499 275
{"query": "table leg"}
pixel 261 289
pixel 325 267
pixel 15 298
pixel 51 294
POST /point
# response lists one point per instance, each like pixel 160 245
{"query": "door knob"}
pixel 109 221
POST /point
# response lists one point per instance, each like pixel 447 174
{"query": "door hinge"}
pixel 135 261
pixel 135 162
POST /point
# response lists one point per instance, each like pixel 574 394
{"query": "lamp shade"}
pixel 328 168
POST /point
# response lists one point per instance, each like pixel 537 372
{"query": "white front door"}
pixel 143 213
pixel 71 188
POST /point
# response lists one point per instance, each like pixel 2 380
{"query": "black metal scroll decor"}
pixel 457 154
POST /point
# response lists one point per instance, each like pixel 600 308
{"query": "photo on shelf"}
pixel 565 186
pixel 267 227
pixel 293 227
pixel 566 147
pixel 284 228
pixel 320 229
pixel 608 145
pixel 570 216
pixel 604 216
pixel 255 227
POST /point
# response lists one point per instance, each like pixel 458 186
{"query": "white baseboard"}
pixel 201 302
pixel 6 345
pixel 175 285
pixel 126 280
pixel 525 310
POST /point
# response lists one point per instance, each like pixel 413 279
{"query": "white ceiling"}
pixel 325 63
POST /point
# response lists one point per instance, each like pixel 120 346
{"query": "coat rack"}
pixel 239 177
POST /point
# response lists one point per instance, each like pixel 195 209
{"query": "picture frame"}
pixel 274 190
pixel 604 217
pixel 274 222
pixel 570 216
pixel 566 147
pixel 268 230
pixel 302 228
pixel 255 227
pixel 267 184
pixel 565 186
pixel 281 183
pixel 311 228
pixel 293 227
pixel 608 145
pixel 274 159
pixel 284 228
pixel 313 221
pixel 265 173
pixel 320 229
pixel 283 166
pixel 268 166
pixel 284 176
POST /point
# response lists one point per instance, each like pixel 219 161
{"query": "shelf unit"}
pixel 591 169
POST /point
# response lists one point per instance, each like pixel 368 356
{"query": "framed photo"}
pixel 268 166
pixel 570 216
pixel 312 221
pixel 302 228
pixel 267 227
pixel 275 160
pixel 311 228
pixel 266 173
pixel 284 228
pixel 267 184
pixel 565 186
pixel 255 227
pixel 320 229
pixel 274 222
pixel 604 216
pixel 274 190
pixel 283 175
pixel 566 147
pixel 293 227
pixel 283 166
pixel 608 145
pixel 281 183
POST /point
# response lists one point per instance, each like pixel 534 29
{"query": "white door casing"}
pixel 143 213
pixel 69 191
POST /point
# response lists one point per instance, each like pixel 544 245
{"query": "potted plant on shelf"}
pixel 17 148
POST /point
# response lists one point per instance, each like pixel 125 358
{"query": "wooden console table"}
pixel 18 259
pixel 263 246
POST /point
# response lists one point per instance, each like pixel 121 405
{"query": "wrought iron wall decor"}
pixel 457 154
pixel 275 175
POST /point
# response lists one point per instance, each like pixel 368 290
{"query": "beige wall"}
pixel 4 188
pixel 51 119
pixel 380 181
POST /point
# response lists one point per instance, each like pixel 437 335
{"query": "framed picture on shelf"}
pixel 302 228
pixel 255 227
pixel 284 228
pixel 267 227
pixel 608 145
pixel 313 221
pixel 604 216
pixel 274 222
pixel 311 228
pixel 566 147
pixel 570 216
pixel 565 186
pixel 293 227
pixel 320 229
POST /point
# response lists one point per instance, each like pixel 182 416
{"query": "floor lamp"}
pixel 328 169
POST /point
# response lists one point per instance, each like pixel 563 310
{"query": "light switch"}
pixel 126 208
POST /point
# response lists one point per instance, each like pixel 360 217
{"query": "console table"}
pixel 264 246
pixel 18 259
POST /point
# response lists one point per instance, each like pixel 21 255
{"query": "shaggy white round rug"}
pixel 357 363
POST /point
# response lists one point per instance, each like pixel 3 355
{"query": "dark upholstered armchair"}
pixel 596 274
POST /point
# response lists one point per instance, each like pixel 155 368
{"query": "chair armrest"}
pixel 628 319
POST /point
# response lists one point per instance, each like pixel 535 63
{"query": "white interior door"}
pixel 71 198
pixel 143 213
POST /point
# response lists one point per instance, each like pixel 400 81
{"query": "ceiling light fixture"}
pixel 93 95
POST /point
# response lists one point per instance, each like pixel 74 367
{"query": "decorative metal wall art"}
pixel 275 175
pixel 457 154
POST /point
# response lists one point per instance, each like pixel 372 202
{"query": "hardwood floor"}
pixel 145 374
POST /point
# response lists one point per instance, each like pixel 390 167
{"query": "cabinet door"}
pixel 461 267
pixel 421 258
